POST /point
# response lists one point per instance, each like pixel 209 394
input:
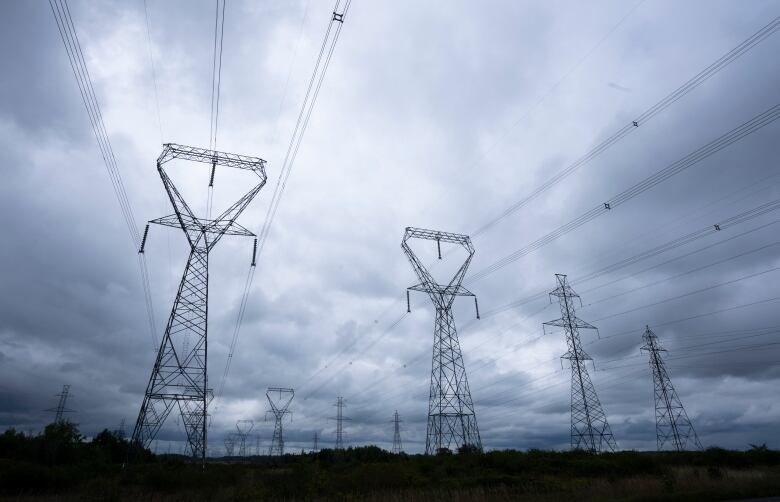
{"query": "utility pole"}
pixel 398 447
pixel 452 422
pixel 672 424
pixel 61 408
pixel 179 377
pixel 589 427
pixel 244 427
pixel 279 398
pixel 339 418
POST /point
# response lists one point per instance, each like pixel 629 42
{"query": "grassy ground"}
pixel 373 474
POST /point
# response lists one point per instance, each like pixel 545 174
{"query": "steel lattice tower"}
pixel 230 444
pixel 279 398
pixel 244 427
pixel 316 442
pixel 339 418
pixel 398 446
pixel 61 409
pixel 179 375
pixel 672 424
pixel 452 422
pixel 589 427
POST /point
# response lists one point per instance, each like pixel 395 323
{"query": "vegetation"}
pixel 59 464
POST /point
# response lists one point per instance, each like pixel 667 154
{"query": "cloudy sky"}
pixel 433 114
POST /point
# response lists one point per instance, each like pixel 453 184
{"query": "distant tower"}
pixel 316 447
pixel 398 447
pixel 279 398
pixel 589 428
pixel 179 375
pixel 339 418
pixel 230 444
pixel 452 422
pixel 61 408
pixel 244 427
pixel 672 424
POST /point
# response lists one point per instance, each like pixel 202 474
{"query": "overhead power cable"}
pixel 681 91
pixel 70 40
pixel 640 120
pixel 734 135
pixel 315 83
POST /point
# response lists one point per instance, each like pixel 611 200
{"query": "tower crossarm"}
pixel 173 151
pixel 574 322
pixel 448 290
pixel 441 294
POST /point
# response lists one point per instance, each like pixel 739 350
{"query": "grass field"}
pixel 58 465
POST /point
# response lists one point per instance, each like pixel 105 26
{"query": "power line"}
pixel 318 76
pixel 681 91
pixel 70 40
pixel 727 139
pixel 147 17
pixel 642 119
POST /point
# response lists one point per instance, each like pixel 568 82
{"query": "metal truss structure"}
pixel 279 398
pixel 230 444
pixel 179 376
pixel 61 409
pixel 589 427
pixel 452 422
pixel 672 425
pixel 339 418
pixel 244 427
pixel 398 446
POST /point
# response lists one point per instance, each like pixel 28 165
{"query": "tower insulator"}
pixel 143 240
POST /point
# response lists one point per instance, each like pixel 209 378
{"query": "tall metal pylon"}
pixel 279 398
pixel 452 422
pixel 179 375
pixel 230 444
pixel 121 432
pixel 589 427
pixel 61 408
pixel 316 446
pixel 339 418
pixel 672 424
pixel 398 446
pixel 244 427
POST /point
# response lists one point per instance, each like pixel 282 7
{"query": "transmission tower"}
pixel 316 448
pixel 339 418
pixel 589 428
pixel 672 424
pixel 279 398
pixel 61 408
pixel 398 446
pixel 452 422
pixel 230 444
pixel 179 376
pixel 244 427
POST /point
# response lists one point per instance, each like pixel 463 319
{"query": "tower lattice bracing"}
pixel 673 428
pixel 279 398
pixel 398 446
pixel 244 427
pixel 452 422
pixel 179 376
pixel 339 418
pixel 230 444
pixel 61 409
pixel 589 427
